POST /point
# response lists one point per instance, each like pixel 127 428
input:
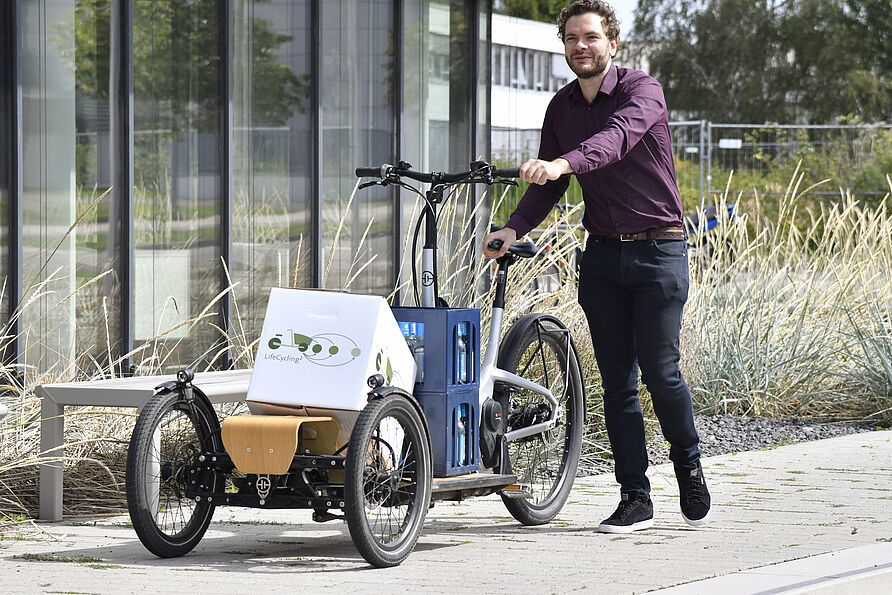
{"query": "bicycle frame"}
pixel 490 373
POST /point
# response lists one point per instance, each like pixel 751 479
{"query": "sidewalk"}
pixel 795 502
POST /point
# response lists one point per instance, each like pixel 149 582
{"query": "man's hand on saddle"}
pixel 507 236
pixel 537 171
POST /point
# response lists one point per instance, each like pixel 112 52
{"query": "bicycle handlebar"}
pixel 495 245
pixel 481 172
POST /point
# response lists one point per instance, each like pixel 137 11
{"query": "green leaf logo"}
pixel 324 349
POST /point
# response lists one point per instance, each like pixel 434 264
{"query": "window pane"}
pixel 484 76
pixel 436 126
pixel 66 167
pixel 98 311
pixel 272 202
pixel 437 73
pixel 357 130
pixel 176 179
pixel 6 164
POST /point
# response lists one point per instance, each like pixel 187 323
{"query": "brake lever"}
pixel 372 183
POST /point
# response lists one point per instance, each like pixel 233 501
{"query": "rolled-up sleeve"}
pixel 639 110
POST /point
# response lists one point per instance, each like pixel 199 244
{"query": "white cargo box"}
pixel 318 349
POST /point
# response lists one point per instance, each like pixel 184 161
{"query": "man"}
pixel 610 128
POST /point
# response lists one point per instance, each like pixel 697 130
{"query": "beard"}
pixel 594 68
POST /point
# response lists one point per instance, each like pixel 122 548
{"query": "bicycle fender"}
pixel 173 386
pixel 519 328
pixel 199 394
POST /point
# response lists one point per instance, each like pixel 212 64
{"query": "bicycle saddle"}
pixel 523 249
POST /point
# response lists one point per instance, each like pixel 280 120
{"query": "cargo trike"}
pixel 367 413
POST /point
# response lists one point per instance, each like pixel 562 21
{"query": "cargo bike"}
pixel 375 423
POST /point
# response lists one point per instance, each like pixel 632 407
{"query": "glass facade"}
pixel 356 112
pixel 9 161
pixel 446 43
pixel 176 184
pixel 273 161
pixel 67 270
pixel 173 160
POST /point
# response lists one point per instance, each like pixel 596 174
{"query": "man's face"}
pixel 586 47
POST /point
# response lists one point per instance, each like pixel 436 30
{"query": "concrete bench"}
pixel 220 387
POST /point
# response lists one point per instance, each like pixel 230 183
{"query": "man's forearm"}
pixel 535 205
pixel 565 166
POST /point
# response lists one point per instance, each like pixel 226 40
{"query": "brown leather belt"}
pixel 666 233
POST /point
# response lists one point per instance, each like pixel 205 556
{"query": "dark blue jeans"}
pixel 633 294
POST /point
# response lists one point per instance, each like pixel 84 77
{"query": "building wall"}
pixel 528 68
pixel 146 143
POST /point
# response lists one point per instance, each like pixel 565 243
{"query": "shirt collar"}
pixel 609 82
pixel 607 85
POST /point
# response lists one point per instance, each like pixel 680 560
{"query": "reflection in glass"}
pixel 176 179
pixel 357 130
pixel 272 202
pixel 436 135
pixel 484 10
pixel 67 167
pixel 280 188
pixel 6 167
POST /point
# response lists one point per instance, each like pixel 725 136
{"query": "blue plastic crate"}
pixel 453 419
pixel 446 345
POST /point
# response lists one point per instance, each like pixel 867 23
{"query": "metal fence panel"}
pixel 712 159
pixel 846 156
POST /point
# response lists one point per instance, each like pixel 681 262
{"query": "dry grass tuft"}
pixel 789 315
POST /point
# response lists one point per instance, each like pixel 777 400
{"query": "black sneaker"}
pixel 694 497
pixel 634 513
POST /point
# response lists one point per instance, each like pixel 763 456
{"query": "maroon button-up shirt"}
pixel 621 152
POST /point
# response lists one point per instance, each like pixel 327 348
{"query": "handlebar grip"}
pixel 506 173
pixel 368 172
pixel 495 245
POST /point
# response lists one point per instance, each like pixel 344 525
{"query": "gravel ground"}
pixel 723 434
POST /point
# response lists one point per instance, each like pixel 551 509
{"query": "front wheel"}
pixel 163 472
pixel 539 348
pixel 387 481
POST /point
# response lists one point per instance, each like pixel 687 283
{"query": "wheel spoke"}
pixel 174 446
pixel 166 442
pixel 382 488
pixel 543 462
pixel 385 488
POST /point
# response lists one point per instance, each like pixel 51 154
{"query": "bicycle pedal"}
pixel 517 492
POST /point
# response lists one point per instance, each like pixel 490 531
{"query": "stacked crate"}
pixel 446 345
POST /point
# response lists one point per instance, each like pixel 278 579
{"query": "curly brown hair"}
pixel 608 17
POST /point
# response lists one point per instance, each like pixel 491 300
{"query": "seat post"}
pixel 502 280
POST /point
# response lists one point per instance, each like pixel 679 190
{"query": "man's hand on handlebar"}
pixel 537 171
pixel 506 235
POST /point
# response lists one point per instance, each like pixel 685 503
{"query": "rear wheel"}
pixel 387 482
pixel 545 463
pixel 162 463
